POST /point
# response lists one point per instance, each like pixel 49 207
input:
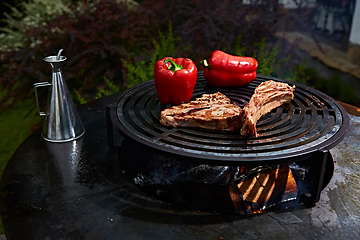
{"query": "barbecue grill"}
pixel 301 131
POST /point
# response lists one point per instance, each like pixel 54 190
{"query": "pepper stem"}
pixel 173 66
pixel 204 63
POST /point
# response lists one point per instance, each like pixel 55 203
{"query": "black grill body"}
pixel 161 160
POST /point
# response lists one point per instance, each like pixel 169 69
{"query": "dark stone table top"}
pixel 76 190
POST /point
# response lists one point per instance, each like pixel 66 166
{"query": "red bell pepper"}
pixel 223 70
pixel 175 79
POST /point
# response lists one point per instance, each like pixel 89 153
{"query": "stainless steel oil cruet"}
pixel 61 119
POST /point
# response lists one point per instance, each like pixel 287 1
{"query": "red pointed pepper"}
pixel 175 79
pixel 223 70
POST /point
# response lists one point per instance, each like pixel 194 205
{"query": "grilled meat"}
pixel 267 96
pixel 210 111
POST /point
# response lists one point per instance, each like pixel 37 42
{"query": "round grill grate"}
pixel 312 122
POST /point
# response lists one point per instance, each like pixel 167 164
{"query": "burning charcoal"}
pixel 265 190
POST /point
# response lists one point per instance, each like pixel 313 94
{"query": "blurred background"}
pixel 112 45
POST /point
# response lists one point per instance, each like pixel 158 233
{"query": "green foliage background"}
pixel 25 15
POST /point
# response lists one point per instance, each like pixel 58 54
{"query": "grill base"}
pixel 206 188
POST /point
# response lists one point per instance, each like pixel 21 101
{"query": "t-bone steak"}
pixel 211 111
pixel 267 96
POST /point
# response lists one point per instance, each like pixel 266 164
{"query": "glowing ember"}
pixel 265 190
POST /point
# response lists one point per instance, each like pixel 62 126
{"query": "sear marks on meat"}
pixel 267 96
pixel 211 111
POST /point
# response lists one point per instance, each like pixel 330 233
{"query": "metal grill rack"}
pixel 312 122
